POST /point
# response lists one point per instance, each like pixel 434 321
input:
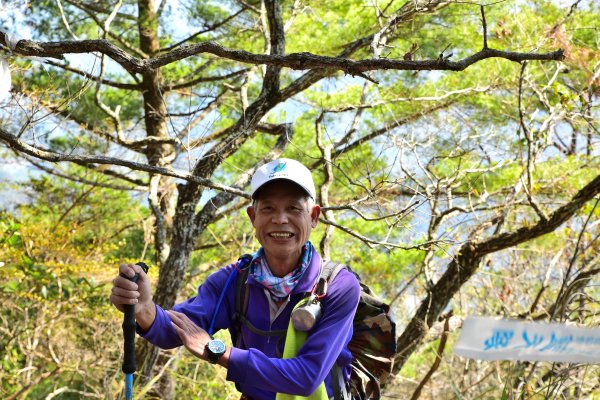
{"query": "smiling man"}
pixel 281 274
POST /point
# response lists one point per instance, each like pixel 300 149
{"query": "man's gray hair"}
pixel 310 202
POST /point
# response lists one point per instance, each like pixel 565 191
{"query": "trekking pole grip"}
pixel 128 366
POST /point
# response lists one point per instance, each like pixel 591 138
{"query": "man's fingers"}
pixel 180 332
pixel 178 325
pixel 125 293
pixel 182 321
pixel 124 283
pixel 189 333
pixel 138 270
pixel 177 317
pixel 128 270
pixel 122 300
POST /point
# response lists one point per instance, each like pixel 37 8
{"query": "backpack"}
pixel 373 343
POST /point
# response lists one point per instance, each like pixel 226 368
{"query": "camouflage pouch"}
pixel 373 343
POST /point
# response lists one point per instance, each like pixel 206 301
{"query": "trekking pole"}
pixel 129 340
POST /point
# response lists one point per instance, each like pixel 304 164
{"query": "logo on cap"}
pixel 279 167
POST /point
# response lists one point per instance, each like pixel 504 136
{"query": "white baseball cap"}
pixel 283 168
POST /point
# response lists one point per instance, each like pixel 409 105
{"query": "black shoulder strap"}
pixel 241 302
pixel 242 298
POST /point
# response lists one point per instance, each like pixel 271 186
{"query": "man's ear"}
pixel 314 215
pixel 251 214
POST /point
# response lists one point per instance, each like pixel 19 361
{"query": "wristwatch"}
pixel 214 350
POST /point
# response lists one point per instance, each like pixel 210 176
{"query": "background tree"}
pixel 426 175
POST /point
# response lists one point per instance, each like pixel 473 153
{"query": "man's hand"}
pixel 125 291
pixel 192 336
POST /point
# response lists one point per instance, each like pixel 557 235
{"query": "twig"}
pixel 438 358
pixel 484 24
pixel 325 149
pixel 87 75
pixel 372 243
pixel 140 188
pixel 39 379
pixel 202 79
pixel 563 287
pixel 207 29
pixel 530 151
pixel 64 19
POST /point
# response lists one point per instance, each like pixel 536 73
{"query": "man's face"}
pixel 283 221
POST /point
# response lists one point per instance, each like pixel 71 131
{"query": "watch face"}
pixel 216 346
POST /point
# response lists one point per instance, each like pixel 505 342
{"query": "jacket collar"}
pixel 309 278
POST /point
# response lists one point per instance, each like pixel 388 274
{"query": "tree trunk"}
pixel 160 153
pixel 162 188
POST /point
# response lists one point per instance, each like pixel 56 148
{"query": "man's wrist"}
pixel 224 359
pixel 145 314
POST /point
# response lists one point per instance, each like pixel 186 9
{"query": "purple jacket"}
pixel 256 368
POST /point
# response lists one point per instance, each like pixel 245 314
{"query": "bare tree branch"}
pixel 357 116
pixel 31 160
pixel 325 148
pixel 467 261
pixel 92 11
pixel 202 79
pixel 207 29
pixel 484 25
pixel 87 75
pixel 388 127
pixel 44 154
pixel 297 61
pixel 95 8
pixel 531 153
pixel 373 243
pixel 563 288
pixel 62 110
pixel 64 20
pixel 109 172
pixel 438 357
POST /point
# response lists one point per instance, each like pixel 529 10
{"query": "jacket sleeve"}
pixel 302 374
pixel 199 309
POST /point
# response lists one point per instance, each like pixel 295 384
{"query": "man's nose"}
pixel 280 217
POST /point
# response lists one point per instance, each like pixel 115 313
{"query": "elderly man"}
pixel 281 273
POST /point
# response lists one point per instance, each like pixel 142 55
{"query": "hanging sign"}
pixel 485 338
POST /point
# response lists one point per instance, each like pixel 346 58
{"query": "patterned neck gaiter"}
pixel 279 288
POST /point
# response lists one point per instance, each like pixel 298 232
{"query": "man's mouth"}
pixel 281 235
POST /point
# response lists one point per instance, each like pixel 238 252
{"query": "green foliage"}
pixel 68 220
pixel 56 322
pixel 331 25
